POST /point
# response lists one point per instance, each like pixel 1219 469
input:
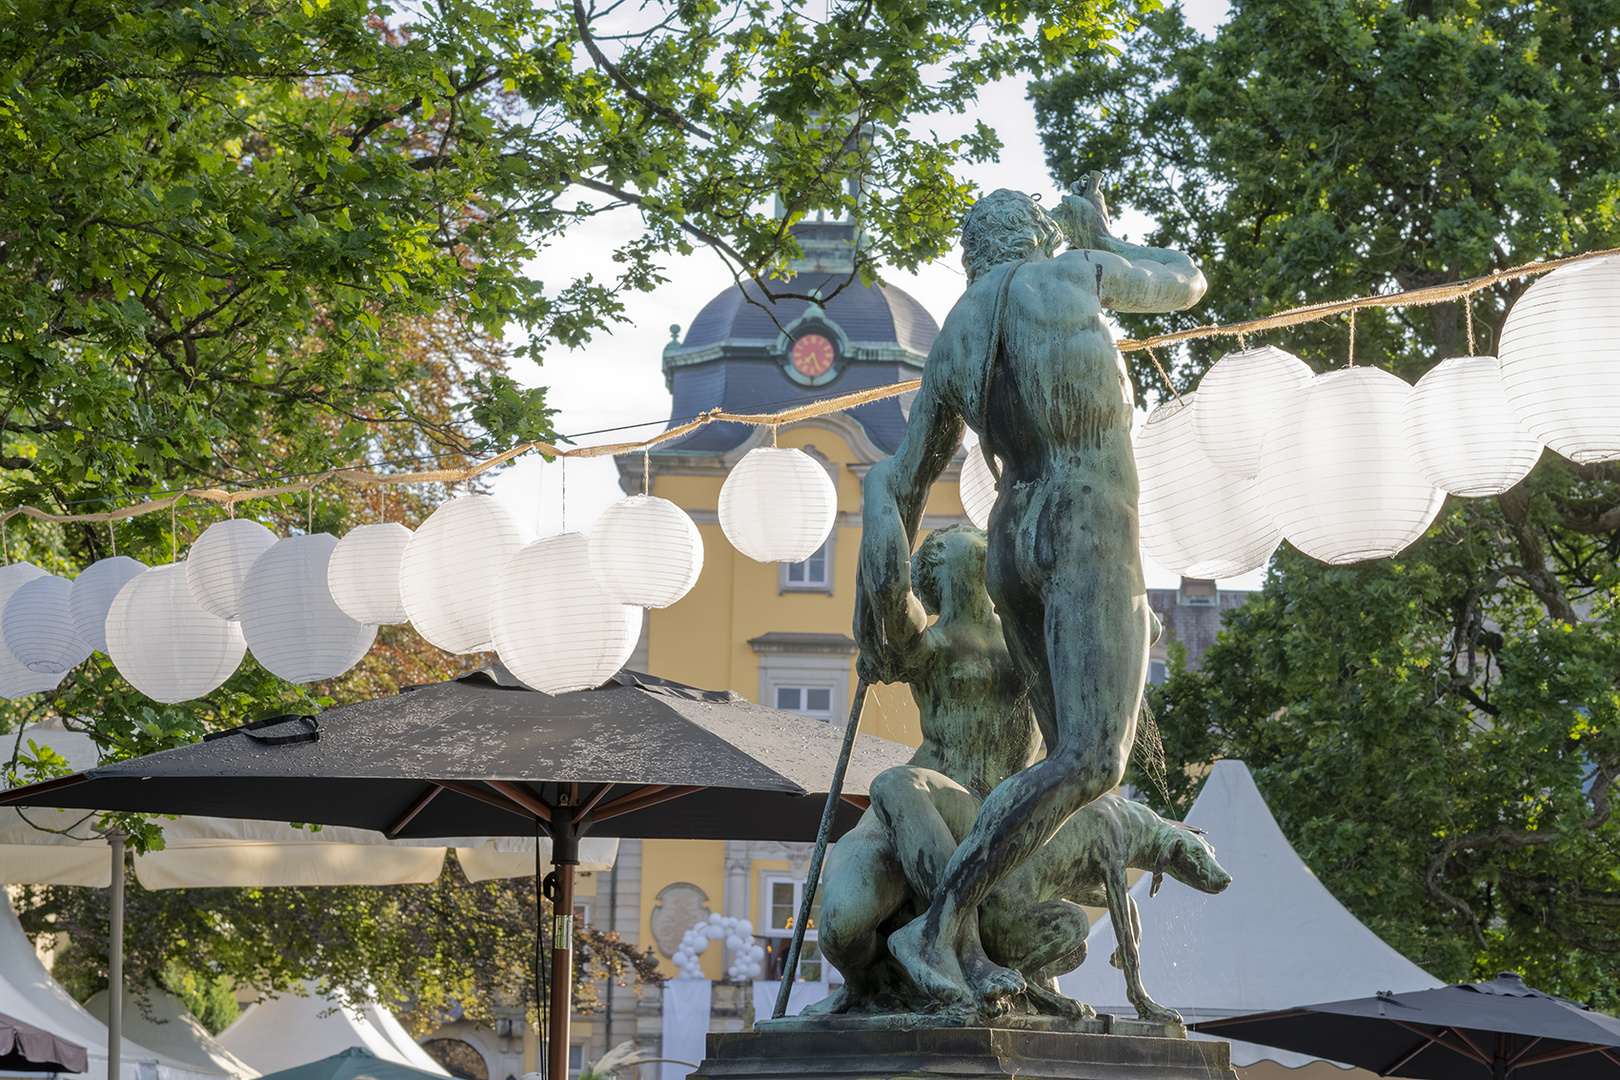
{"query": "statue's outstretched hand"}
pixel 1083 214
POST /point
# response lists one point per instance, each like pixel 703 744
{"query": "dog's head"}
pixel 1190 859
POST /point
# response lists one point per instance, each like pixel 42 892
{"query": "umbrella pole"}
pixel 115 959
pixel 564 856
pixel 790 967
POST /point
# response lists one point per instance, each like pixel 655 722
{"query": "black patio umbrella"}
pixel 485 756
pixel 1501 1030
pixel 25 1048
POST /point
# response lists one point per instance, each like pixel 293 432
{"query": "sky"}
pixel 617 379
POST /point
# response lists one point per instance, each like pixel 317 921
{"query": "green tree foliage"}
pixel 1437 733
pixel 418 948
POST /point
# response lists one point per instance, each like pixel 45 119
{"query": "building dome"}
pixel 744 353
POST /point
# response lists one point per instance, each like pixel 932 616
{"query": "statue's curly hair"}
pixel 1005 226
pixel 930 558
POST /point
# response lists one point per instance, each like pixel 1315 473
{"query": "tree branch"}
pixel 582 23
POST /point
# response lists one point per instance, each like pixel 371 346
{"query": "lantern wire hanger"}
pixel 1350 360
pixel 365 477
pixel 1468 318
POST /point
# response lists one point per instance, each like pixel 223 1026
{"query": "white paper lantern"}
pixel 978 488
pixel 289 619
pixel 1560 355
pixel 1335 473
pixel 167 645
pixel 16 680
pixel 1239 399
pixel 646 551
pixel 92 595
pixel 1461 432
pixel 1197 521
pixel 778 505
pixel 38 629
pixel 363 575
pixel 219 561
pixel 448 572
pixel 555 627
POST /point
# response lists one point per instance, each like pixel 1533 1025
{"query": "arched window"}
pixel 459 1058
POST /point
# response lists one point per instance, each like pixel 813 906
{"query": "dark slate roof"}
pixel 760 386
pixel 868 315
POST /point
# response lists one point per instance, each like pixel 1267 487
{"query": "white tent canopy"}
pixel 28 992
pixel 60 847
pixel 290 1030
pixel 1276 938
pixel 165 1025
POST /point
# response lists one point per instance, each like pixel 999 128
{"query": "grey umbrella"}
pixel 1502 1030
pixel 484 756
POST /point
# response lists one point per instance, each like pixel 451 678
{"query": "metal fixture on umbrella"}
pixel 484 756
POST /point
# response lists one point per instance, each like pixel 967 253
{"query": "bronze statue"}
pixel 1025 359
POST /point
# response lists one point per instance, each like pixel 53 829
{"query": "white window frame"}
pixel 803 709
pixel 811 953
pixel 824 586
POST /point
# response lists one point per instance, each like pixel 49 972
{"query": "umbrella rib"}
pixel 596 797
pixel 1523 1050
pixel 523 797
pixel 1222 1021
pixel 1467 1050
pixel 393 831
pixel 859 802
pixel 473 791
pixel 1570 1050
pixel 641 799
pixel 17 794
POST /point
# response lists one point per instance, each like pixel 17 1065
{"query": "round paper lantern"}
pixel 16 680
pixel 778 505
pixel 448 572
pixel 978 488
pixel 1461 432
pixel 1560 353
pixel 92 595
pixel 164 643
pixel 1335 473
pixel 1239 399
pixel 289 619
pixel 646 551
pixel 219 562
pixel 554 625
pixel 363 575
pixel 1196 520
pixel 38 628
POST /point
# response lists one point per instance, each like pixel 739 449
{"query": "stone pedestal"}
pixel 918 1048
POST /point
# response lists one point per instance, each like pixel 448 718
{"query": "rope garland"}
pixel 362 477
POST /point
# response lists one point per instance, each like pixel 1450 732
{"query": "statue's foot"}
pixel 935 970
pixel 834 1004
pixel 1051 1003
pixel 1151 1011
pixel 995 986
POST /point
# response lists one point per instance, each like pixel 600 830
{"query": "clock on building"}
pixel 812 358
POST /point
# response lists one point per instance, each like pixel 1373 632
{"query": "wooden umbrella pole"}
pixel 790 967
pixel 564 857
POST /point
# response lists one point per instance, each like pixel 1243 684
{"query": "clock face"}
pixel 812 356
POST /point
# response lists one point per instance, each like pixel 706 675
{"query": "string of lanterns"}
pixel 1350 464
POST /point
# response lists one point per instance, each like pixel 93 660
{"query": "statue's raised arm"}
pixel 1137 278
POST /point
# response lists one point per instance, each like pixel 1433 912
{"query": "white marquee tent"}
pixel 290 1030
pixel 28 992
pixel 164 1024
pixel 1276 938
